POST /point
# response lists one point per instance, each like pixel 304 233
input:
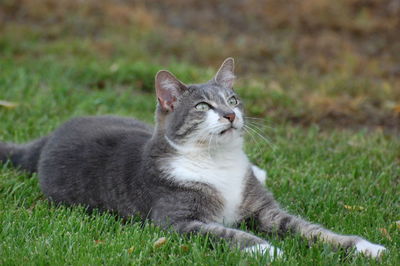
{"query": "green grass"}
pixel 336 73
pixel 66 60
pixel 312 172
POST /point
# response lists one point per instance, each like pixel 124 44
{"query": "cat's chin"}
pixel 229 136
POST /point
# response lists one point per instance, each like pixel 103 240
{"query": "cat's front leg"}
pixel 272 219
pixel 259 173
pixel 236 238
pixel 179 211
pixel 260 203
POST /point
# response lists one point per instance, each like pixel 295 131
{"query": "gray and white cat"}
pixel 189 173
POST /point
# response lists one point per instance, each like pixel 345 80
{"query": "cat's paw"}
pixel 369 249
pixel 259 173
pixel 274 252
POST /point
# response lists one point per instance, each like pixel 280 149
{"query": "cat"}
pixel 189 173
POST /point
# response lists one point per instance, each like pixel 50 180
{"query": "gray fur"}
pixel 25 156
pixel 115 164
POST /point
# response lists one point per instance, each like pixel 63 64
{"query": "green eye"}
pixel 202 107
pixel 233 101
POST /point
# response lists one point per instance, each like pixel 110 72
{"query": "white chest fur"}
pixel 226 173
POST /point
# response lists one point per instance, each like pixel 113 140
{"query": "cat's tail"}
pixel 24 156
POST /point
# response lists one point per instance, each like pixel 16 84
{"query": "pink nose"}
pixel 230 117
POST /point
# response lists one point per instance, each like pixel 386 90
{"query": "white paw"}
pixel 273 252
pixel 369 249
pixel 259 173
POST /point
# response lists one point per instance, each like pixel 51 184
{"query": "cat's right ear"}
pixel 168 89
pixel 225 75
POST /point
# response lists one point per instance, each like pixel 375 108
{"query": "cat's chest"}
pixel 225 174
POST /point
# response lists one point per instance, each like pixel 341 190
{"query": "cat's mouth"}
pixel 230 129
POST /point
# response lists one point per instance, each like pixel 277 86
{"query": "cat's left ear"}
pixel 168 89
pixel 225 75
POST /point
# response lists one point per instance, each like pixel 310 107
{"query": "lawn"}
pixel 346 178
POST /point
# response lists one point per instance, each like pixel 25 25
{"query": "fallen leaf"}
pixel 30 209
pixel 7 104
pixel 159 242
pixel 99 241
pixel 398 224
pixel 184 248
pixel 353 208
pixel 385 233
pixel 130 250
pixel 114 67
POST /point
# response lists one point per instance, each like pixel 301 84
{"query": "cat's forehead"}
pixel 210 92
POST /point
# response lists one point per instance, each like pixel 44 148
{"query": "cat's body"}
pixel 127 171
pixel 189 173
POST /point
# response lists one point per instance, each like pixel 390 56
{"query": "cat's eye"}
pixel 202 107
pixel 233 101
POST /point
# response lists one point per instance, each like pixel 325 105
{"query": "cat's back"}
pixel 91 125
pixel 95 137
pixel 87 156
pixel 88 129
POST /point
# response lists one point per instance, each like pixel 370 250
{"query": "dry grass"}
pixel 313 61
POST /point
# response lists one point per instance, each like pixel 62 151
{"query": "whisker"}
pixel 251 134
pixel 260 131
pixel 262 125
pixel 256 118
pixel 209 146
pixel 261 136
pixel 258 125
pixel 259 121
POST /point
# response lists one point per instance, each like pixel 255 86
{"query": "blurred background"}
pixel 306 62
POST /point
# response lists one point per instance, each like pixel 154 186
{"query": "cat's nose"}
pixel 230 117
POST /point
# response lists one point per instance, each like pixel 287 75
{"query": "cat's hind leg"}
pixel 273 219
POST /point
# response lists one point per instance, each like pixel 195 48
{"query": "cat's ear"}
pixel 168 89
pixel 225 75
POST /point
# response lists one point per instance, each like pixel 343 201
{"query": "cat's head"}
pixel 199 114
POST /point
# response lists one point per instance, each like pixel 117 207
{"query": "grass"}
pixel 314 173
pixel 62 60
pixel 313 61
